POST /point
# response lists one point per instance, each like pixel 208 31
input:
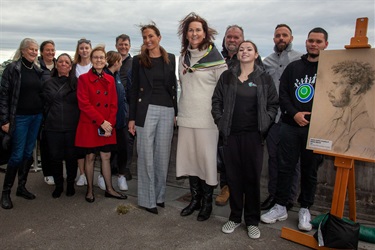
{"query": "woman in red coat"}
pixel 97 101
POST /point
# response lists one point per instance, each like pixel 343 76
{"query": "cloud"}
pixel 67 21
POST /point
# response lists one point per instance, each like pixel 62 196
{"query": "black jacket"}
pixel 61 104
pixel 224 98
pixel 10 91
pixel 47 74
pixel 141 89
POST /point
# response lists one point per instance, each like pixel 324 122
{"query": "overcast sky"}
pixel 66 21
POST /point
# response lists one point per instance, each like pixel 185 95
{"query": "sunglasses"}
pixel 80 41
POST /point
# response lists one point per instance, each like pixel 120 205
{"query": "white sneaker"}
pixel 122 185
pixel 229 227
pixel 253 232
pixel 276 213
pixel 81 180
pixel 304 219
pixel 101 182
pixel 49 180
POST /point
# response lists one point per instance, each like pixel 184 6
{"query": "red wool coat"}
pixel 97 101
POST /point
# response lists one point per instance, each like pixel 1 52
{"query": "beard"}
pixel 343 101
pixel 232 48
pixel 312 55
pixel 281 46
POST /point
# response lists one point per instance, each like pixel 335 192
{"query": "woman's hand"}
pixel 131 127
pixel 107 126
pixel 5 128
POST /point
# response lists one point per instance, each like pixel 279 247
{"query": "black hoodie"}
pixel 297 89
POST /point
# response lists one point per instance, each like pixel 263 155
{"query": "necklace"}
pixel 32 65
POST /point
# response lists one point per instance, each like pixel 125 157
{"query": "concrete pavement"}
pixel 72 223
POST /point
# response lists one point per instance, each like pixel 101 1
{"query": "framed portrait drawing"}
pixel 343 114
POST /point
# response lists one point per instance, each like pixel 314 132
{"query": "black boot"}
pixel 23 172
pixel 71 174
pixel 196 196
pixel 9 178
pixel 70 190
pixel 206 209
pixel 59 186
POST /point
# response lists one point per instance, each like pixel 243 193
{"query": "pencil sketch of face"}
pixel 339 93
pixel 351 78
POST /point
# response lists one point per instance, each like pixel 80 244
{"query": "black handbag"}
pixel 5 146
pixel 220 157
pixel 5 140
pixel 335 232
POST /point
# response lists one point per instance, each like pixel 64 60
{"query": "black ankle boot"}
pixel 196 196
pixel 57 192
pixel 206 209
pixel 23 172
pixel 6 202
pixel 9 178
pixel 70 191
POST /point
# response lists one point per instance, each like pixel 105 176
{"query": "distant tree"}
pixel 3 65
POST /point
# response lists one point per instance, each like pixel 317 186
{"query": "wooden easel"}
pixel 345 174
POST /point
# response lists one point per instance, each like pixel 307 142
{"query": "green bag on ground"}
pixel 366 234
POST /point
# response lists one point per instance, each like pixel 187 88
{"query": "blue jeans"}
pixel 24 138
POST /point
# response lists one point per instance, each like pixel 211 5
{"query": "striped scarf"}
pixel 210 59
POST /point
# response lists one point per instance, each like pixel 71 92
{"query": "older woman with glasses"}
pixel 97 100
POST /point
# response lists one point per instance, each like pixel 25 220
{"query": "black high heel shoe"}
pixel 161 204
pixel 119 197
pixel 90 200
pixel 152 210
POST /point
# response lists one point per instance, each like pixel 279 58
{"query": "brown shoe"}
pixel 223 197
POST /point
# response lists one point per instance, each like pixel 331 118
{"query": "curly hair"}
pixel 357 73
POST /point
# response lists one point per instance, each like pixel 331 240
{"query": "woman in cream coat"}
pixel 200 67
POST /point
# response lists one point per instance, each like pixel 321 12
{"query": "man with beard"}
pixel 275 65
pixel 234 35
pixel 297 87
pixel 350 129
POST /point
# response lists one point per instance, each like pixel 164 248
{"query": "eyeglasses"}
pixel 83 40
pixel 98 58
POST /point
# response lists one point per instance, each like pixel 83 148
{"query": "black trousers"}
pixel 61 148
pixel 243 163
pixel 292 147
pixel 119 157
pixel 273 140
pixel 44 155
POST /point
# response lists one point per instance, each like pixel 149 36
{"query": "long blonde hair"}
pixel 25 43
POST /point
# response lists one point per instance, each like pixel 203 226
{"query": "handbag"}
pixel 220 156
pixel 5 146
pixel 335 232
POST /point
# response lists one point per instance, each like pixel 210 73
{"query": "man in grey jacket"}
pixel 275 65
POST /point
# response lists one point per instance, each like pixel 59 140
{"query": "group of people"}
pixel 88 104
